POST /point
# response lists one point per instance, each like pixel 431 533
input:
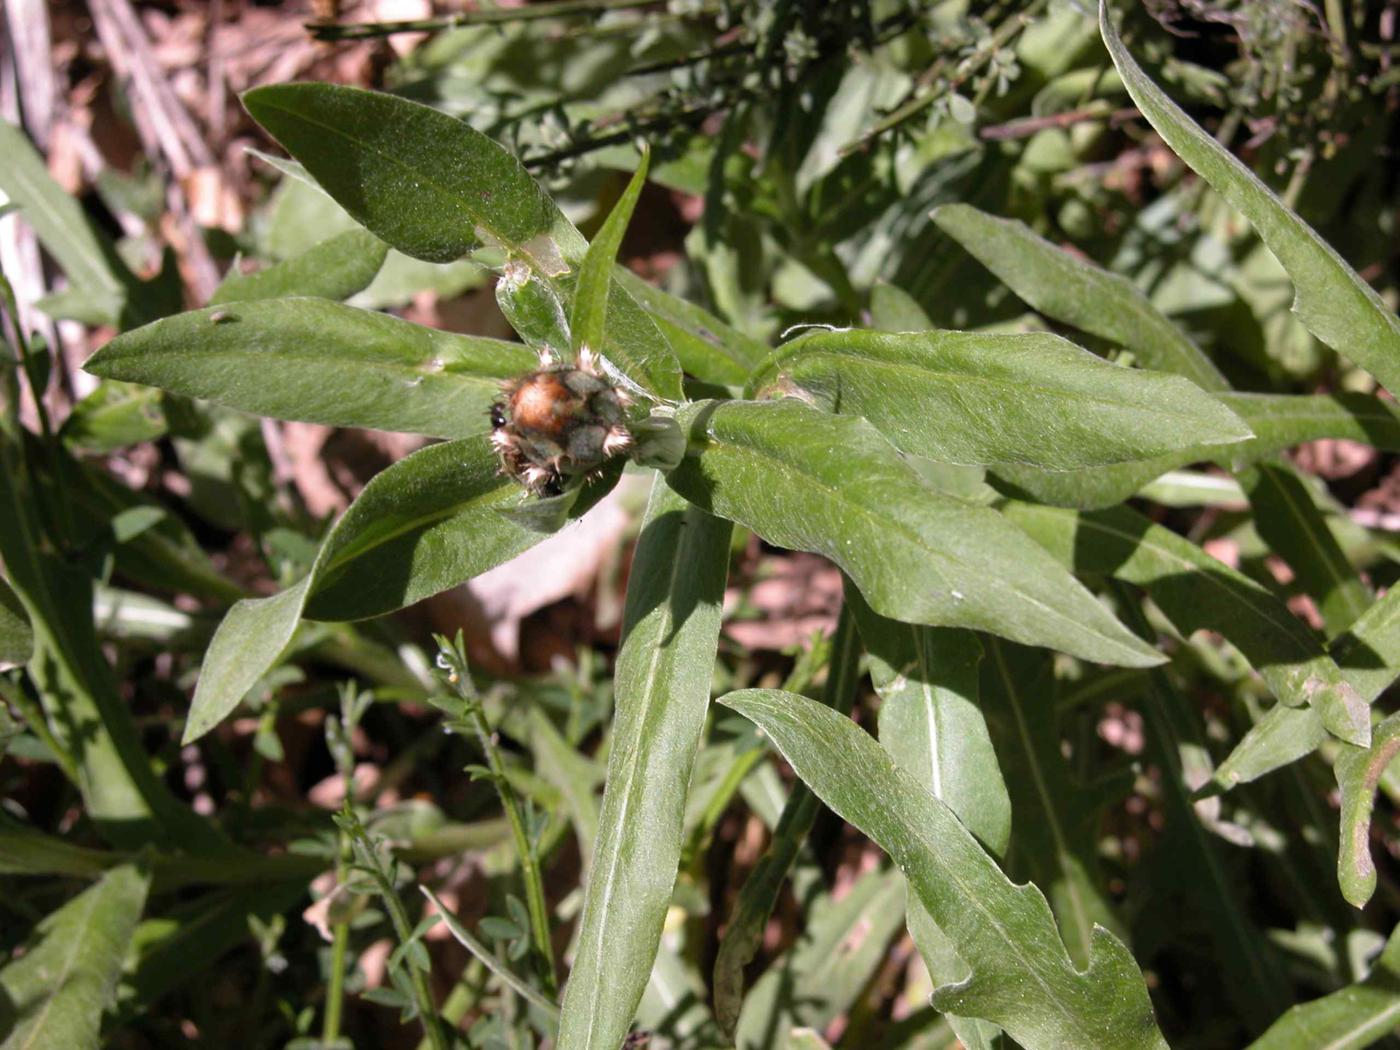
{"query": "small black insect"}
pixel 498 416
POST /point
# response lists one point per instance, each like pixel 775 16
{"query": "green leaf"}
pixel 319 361
pixel 743 934
pixel 1348 1019
pixel 1278 421
pixel 336 268
pixel 1358 771
pixel 16 634
pixel 1022 979
pixel 806 480
pixel 1197 592
pixel 895 310
pixel 1369 656
pixel 107 289
pixel 931 724
pixel 968 397
pixel 1055 833
pixel 670 635
pixel 435 188
pixel 1066 288
pixel 595 276
pixel 1333 302
pixel 60 987
pixel 705 346
pixel 427 523
pixel 114 416
pixel 1289 521
pixel 823 974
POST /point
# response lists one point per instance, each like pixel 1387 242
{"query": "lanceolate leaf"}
pixel 1358 771
pixel 1056 818
pixel 65 980
pixel 429 522
pixel 670 634
pixel 832 485
pixel 1333 302
pixel 336 268
pixel 1196 591
pixel 707 348
pixel 435 188
pixel 1066 288
pixel 1278 421
pixel 1347 1019
pixel 595 277
pixel 1022 979
pixel 319 361
pixel 968 397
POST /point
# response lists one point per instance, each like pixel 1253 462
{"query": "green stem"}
pixel 33 716
pixel 529 863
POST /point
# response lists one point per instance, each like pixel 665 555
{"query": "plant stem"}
pixel 529 863
pixel 484 16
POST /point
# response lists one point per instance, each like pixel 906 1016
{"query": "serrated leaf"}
pixel 595 276
pixel 1066 288
pixel 321 362
pixel 1333 302
pixel 1348 1019
pixel 67 978
pixel 974 398
pixel 435 188
pixel 1196 591
pixel 806 480
pixel 427 523
pixel 1022 978
pixel 335 269
pixel 662 684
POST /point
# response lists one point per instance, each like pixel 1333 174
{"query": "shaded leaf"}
pixel 670 635
pixel 1067 288
pixel 319 361
pixel 114 416
pixel 427 523
pixel 1289 521
pixel 968 397
pixel 806 480
pixel 1056 818
pixel 1348 1019
pixel 1333 302
pixel 1196 591
pixel 16 634
pixel 1022 978
pixel 67 978
pixel 705 346
pixel 336 268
